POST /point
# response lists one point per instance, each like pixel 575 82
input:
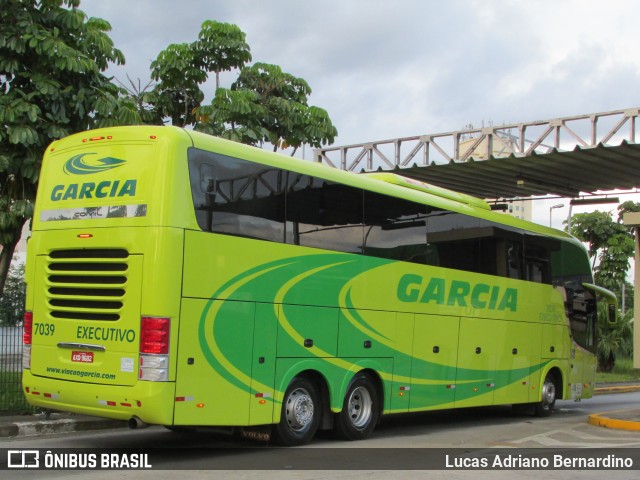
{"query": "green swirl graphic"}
pixel 323 280
pixel 76 165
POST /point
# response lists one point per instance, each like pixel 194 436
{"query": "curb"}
pixel 600 420
pixel 64 425
pixel 617 389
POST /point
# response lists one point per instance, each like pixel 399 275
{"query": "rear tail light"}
pixel 154 335
pixel 154 349
pixel 27 337
pixel 27 328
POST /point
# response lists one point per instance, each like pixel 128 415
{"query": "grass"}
pixel 11 397
pixel 622 372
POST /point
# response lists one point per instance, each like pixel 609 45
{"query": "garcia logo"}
pixel 415 288
pixel 87 190
pixel 78 165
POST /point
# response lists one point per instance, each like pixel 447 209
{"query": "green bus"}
pixel 179 279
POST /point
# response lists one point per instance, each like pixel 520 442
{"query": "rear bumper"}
pixel 152 402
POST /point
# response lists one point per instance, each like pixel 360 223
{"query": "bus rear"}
pixel 99 318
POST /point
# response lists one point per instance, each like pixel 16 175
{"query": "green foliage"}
pixel 140 102
pixel 221 47
pixel 13 296
pixel 266 104
pixel 180 69
pixel 613 340
pixel 610 245
pixel 623 371
pixel 51 62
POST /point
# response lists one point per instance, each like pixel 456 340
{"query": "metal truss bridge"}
pixel 564 156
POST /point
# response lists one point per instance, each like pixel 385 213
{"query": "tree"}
pixel 51 82
pixel 613 340
pixel 180 69
pixel 221 47
pixel 611 244
pixel 177 93
pixel 142 100
pixel 12 299
pixel 266 104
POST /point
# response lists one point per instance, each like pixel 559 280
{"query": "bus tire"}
pixel 300 415
pixel 548 401
pixel 360 410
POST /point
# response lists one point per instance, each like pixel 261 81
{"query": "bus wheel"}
pixel 360 410
pixel 301 412
pixel 545 406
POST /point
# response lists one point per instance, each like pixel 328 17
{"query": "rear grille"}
pixel 87 284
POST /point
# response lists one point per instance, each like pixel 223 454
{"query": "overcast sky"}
pixel 384 69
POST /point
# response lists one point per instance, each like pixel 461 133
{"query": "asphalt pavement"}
pixel 40 424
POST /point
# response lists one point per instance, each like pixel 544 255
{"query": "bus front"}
pixel 101 316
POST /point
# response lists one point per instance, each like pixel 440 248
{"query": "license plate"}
pixel 82 357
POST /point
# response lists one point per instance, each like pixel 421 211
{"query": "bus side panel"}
pixel 435 352
pixel 365 333
pixel 556 348
pixel 477 350
pixel 263 366
pixel 214 362
pixel 403 340
pixel 556 341
pixel 583 369
pixel 518 360
pixel 306 331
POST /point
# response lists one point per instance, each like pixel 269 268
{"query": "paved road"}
pixel 463 429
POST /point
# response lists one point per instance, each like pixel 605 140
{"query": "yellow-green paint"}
pixel 242 310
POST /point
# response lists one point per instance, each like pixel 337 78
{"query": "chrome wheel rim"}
pixel 548 393
pixel 299 410
pixel 359 407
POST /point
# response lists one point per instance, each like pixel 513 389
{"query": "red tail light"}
pixel 154 335
pixel 27 328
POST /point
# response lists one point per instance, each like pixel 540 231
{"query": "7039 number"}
pixel 44 329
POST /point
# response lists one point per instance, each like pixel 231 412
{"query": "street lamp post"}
pixel 560 205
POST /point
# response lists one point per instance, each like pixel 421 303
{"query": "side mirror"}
pixel 609 297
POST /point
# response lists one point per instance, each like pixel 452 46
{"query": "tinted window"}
pixel 396 229
pixel 237 197
pixel 324 214
pixel 570 269
pixel 469 243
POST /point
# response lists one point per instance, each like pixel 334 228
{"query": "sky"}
pixel 386 69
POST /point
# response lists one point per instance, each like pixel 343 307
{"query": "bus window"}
pixel 514 260
pixel 396 229
pixel 569 270
pixel 468 243
pixel 582 315
pixel 323 214
pixel 237 197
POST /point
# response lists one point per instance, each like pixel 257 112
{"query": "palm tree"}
pixel 614 339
